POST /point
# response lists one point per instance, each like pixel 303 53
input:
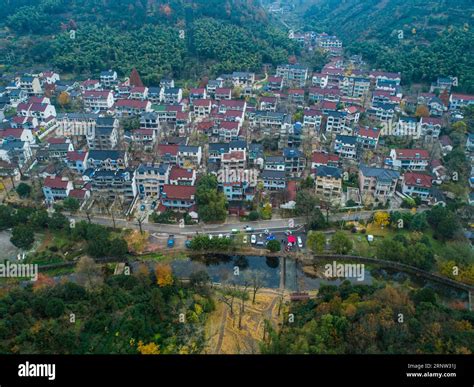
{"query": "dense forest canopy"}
pixel 361 319
pixel 436 38
pixel 176 38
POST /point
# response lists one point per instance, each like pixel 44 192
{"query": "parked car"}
pixel 142 207
pixel 153 205
pixel 267 231
pixel 188 243
pixel 248 229
pixel 300 243
pixel 253 239
pixel 171 241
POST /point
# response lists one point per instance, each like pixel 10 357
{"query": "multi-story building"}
pixel 75 124
pixel 56 188
pixel 408 126
pixel 430 126
pixel 367 138
pixel 178 197
pixel 31 85
pixel 295 161
pixel 346 146
pixel 189 156
pixel 111 184
pixel 108 78
pixel 273 180
pixel 377 184
pixel 77 161
pixel 328 182
pixel 355 87
pixel 458 101
pixel 293 73
pixel 98 100
pixel 409 159
pixel 416 184
pixel 104 135
pixel 182 176
pixel 108 159
pixel 151 178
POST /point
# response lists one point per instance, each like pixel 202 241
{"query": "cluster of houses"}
pixel 260 137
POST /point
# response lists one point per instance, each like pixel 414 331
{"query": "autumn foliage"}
pixel 164 275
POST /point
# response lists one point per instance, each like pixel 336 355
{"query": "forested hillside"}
pixel 160 38
pixel 420 38
pixel 360 319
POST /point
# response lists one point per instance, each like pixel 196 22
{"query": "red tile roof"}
pixel 131 103
pixel 164 149
pixel 56 182
pixel 412 154
pixel 96 93
pixel 465 97
pixel 76 156
pixel 179 192
pixel 369 132
pixel 417 179
pixel 180 173
pixel 202 102
pixel 324 158
pixel 77 193
pixel 11 132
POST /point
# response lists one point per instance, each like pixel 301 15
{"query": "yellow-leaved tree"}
pixel 381 218
pixel 148 349
pixel 164 275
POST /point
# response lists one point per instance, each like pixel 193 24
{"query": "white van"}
pixel 300 242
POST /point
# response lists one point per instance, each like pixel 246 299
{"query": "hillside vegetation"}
pixel 436 36
pixel 160 38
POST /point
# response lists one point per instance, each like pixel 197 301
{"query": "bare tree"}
pixel 256 279
pixel 243 296
pixel 140 219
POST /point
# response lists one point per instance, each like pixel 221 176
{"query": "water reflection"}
pixel 273 272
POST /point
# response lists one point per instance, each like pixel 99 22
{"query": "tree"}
pixel 266 211
pixel 58 221
pixel 212 204
pixel 40 219
pixel 22 236
pixel 6 217
pixel 88 273
pixel 443 222
pixel 54 308
pixel 305 204
pixel 256 279
pixel 71 204
pixel 64 99
pixel 148 349
pixel 382 219
pixel 118 247
pixel 274 246
pixel 23 190
pixel 390 250
pixel 422 111
pixel 164 275
pixel 316 242
pixel 253 216
pixel 340 243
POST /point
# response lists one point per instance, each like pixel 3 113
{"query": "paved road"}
pixel 259 226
